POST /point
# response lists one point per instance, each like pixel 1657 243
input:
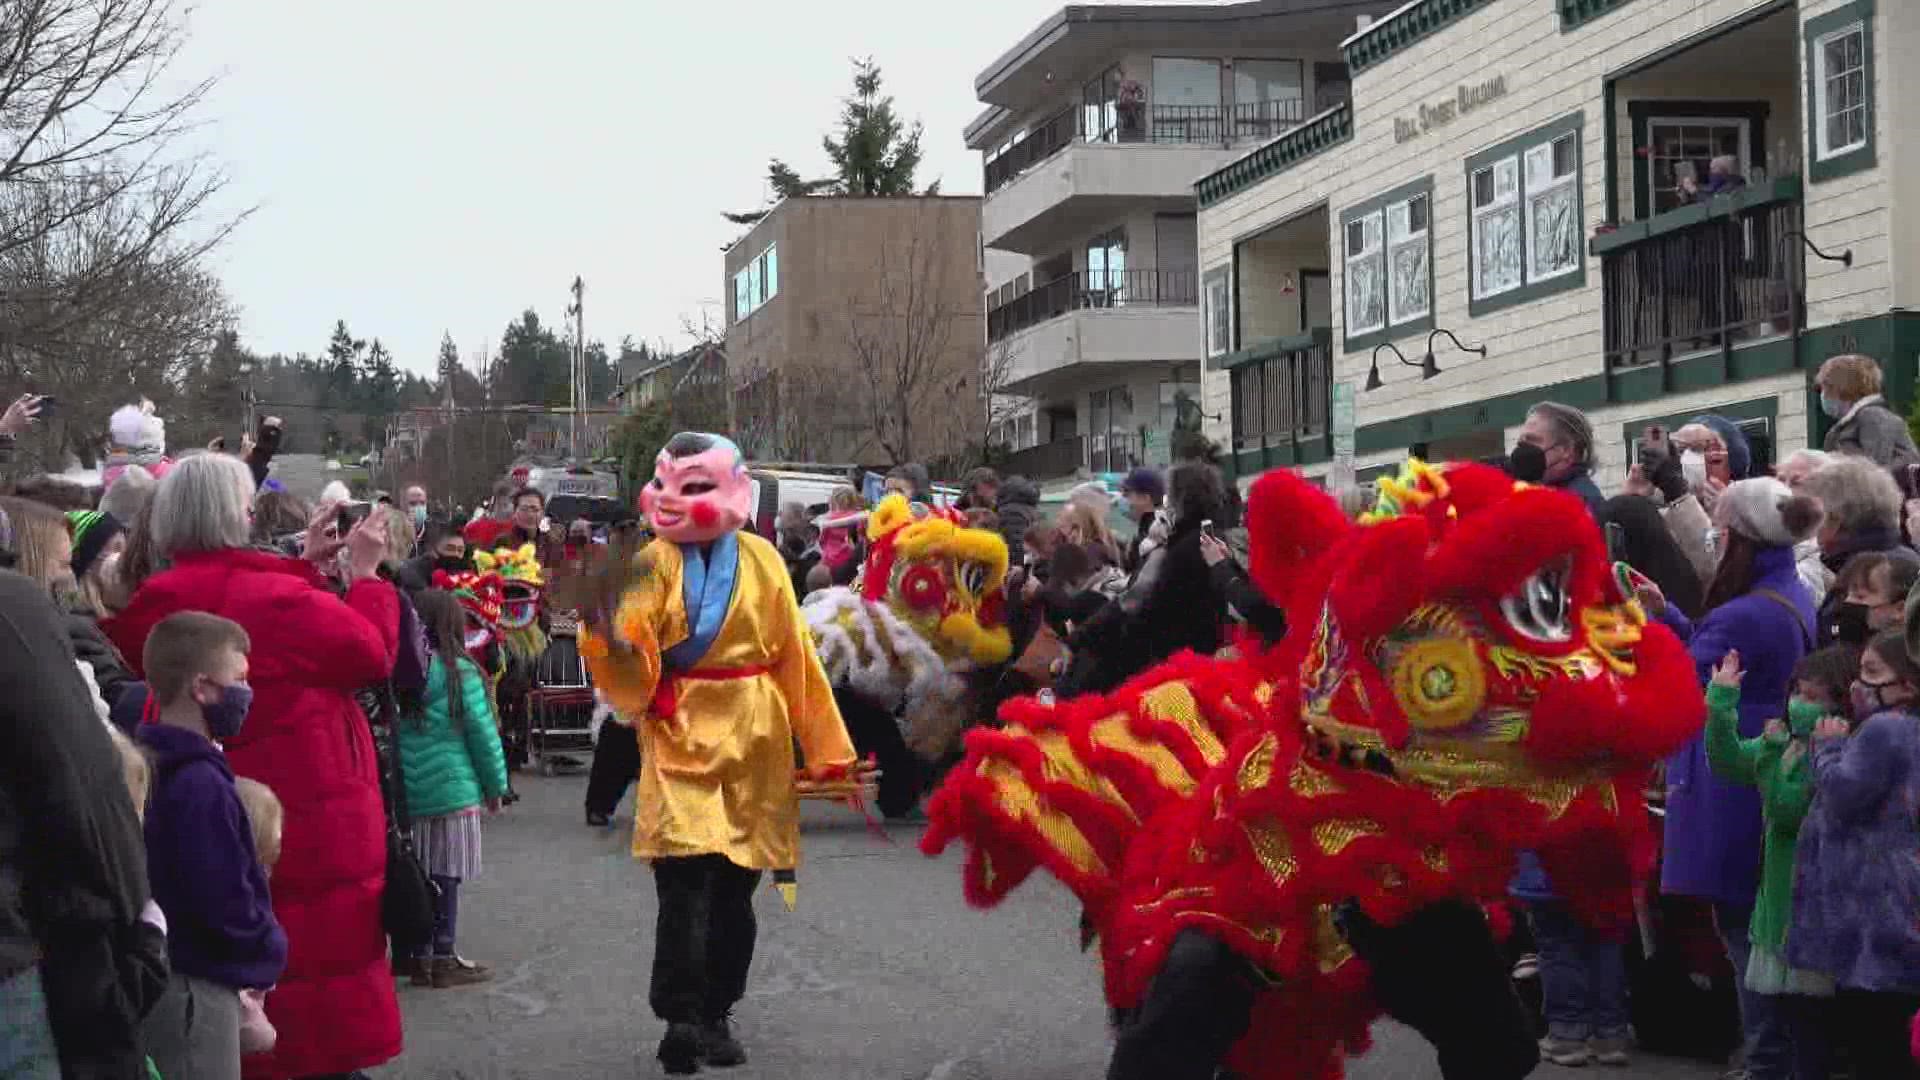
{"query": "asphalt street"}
pixel 883 973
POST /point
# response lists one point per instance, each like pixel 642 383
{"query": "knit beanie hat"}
pixel 92 530
pixel 1739 453
pixel 1766 510
pixel 1144 481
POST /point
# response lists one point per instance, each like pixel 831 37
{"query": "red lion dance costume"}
pixel 1461 680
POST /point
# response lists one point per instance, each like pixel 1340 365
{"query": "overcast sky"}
pixel 421 165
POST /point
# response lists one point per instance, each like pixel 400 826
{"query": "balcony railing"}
pixel 1061 457
pixel 1284 395
pixel 1093 289
pixel 1197 125
pixel 1704 277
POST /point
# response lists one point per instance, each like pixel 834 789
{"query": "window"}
pixel 1525 238
pixel 756 283
pixel 1269 96
pixel 1186 100
pixel 1219 321
pixel 1100 107
pixel 1107 269
pixel 1679 146
pixel 1388 260
pixel 1840 90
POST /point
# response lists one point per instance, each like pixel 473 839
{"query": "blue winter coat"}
pixel 447 768
pixel 1712 847
pixel 205 874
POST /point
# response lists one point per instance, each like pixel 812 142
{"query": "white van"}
pixel 774 488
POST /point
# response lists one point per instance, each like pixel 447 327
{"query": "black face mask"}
pixel 1527 463
pixel 450 564
pixel 1850 624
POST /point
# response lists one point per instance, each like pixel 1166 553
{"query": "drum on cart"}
pixel 559 714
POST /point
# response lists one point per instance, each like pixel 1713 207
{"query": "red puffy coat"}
pixel 307 740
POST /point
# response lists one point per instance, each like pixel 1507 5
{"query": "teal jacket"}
pixel 448 769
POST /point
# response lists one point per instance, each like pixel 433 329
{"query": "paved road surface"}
pixel 883 974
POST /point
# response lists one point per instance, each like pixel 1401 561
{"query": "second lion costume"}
pixel 707 650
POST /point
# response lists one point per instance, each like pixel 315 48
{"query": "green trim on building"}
pixel 1329 129
pixel 1853 161
pixel 1404 28
pixel 1517 147
pixel 1766 408
pixel 1780 189
pixel 1377 204
pixel 1269 348
pixel 1642 111
pixel 1893 339
pixel 1577 13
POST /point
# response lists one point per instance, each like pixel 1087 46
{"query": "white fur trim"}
pixel 868 647
pixel 134 427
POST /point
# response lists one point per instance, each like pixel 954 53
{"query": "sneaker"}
pixel 1527 967
pixel 718 1047
pixel 1568 1053
pixel 680 1050
pixel 449 972
pixel 1611 1052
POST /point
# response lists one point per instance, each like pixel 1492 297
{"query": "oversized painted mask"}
pixel 943 578
pixel 521 584
pixel 700 489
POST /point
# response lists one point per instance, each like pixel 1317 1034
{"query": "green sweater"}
pixel 447 768
pixel 1786 791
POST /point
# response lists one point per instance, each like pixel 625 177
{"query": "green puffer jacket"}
pixel 449 768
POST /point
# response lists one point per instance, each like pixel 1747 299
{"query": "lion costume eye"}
pixel 1538 609
pixel 972 577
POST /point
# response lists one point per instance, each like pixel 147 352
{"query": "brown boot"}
pixel 411 967
pixel 451 971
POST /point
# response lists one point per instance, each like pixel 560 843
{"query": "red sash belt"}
pixel 666 696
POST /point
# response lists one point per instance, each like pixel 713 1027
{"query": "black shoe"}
pixel 680 1049
pixel 718 1047
pixel 599 820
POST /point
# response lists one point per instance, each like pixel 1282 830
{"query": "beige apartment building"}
pixel 1096 126
pixel 853 330
pixel 1519 203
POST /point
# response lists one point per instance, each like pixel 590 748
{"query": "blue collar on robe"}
pixel 707 580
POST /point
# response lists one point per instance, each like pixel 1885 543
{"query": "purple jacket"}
pixel 1856 884
pixel 1713 828
pixel 200 859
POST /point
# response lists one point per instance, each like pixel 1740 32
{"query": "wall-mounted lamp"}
pixel 1845 258
pixel 1427 369
pixel 1433 368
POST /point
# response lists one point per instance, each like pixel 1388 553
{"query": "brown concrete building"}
pixel 855 330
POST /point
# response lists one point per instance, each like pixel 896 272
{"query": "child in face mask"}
pixel 1856 881
pixel 1876 587
pixel 1776 762
pixel 205 873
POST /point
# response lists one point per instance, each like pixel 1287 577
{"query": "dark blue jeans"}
pixel 1583 976
pixel 1768 1043
pixel 446 919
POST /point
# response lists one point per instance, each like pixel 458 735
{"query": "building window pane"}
pixel 772 258
pixel 1841 91
pixel 1218 339
pixel 1179 80
pixel 1496 228
pixel 1409 247
pixel 1365 276
pixel 1686 146
pixel 1552 232
pixel 1269 96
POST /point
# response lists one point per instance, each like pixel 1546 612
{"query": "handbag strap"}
pixel 1800 624
pixel 394 780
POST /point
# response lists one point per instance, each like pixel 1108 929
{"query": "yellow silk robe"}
pixel 717 777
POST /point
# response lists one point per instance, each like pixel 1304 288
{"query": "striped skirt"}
pixel 449 845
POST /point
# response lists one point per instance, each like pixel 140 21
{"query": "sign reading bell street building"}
pixel 1447 110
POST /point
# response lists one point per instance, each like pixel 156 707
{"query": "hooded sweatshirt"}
pixel 205 874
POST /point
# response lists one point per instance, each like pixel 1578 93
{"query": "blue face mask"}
pixel 225 717
pixel 1832 406
pixel 419 515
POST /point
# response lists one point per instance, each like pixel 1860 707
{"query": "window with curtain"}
pixel 1409 247
pixel 1365 276
pixel 1186 99
pixel 1496 228
pixel 1526 236
pixel 1219 320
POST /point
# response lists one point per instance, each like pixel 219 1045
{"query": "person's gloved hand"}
pixel 1662 467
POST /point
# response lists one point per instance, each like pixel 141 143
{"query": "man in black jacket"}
pixel 73 874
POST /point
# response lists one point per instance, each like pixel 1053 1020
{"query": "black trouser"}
pixel 1873 1030
pixel 875 732
pixel 1439 973
pixel 703 940
pixel 616 761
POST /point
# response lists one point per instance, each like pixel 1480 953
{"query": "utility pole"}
pixel 579 364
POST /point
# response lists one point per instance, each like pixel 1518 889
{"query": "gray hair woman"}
pixel 1849 389
pixel 304 736
pixel 1862 507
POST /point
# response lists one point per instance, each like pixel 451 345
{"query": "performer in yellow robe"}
pixel 709 651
